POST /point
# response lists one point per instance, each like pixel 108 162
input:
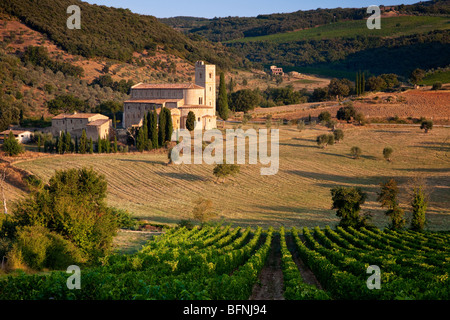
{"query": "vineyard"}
pixel 224 263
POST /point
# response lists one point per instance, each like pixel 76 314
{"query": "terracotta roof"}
pixel 98 122
pixel 78 116
pixel 15 132
pixel 191 106
pixel 166 86
pixel 153 101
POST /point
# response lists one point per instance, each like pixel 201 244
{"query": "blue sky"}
pixel 242 8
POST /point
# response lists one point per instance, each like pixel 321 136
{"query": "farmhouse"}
pixel 20 135
pixel 95 125
pixel 276 71
pixel 180 99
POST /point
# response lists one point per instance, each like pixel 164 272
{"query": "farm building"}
pixel 198 97
pixel 276 71
pixel 95 125
pixel 21 135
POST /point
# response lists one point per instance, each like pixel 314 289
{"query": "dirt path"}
pixel 307 275
pixel 270 286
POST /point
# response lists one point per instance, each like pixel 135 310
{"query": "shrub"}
pixel 387 153
pixel 124 219
pixel 419 206
pixel 224 170
pixel 203 210
pixel 338 135
pixel 11 146
pixel 426 125
pixel 355 152
pixel 347 202
pixel 322 140
pixel 324 116
pixel 437 85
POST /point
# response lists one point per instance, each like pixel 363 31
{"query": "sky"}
pixel 241 8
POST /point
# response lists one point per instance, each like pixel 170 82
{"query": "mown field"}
pixel 223 263
pixel 392 27
pixel 299 195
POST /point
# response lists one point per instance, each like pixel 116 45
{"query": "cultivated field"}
pixel 299 195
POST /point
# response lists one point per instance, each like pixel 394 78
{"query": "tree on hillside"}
pixel 190 121
pixel 222 101
pixel 338 135
pixel 355 152
pixel 66 104
pixel 324 116
pixel 347 202
pixel 339 87
pixel 426 125
pixel 73 205
pixel 222 171
pixel 141 140
pixel 416 76
pixel 387 153
pixel 153 129
pixel 419 204
pixel 245 100
pixel 347 112
pixel 11 146
pixel 203 210
pixel 388 197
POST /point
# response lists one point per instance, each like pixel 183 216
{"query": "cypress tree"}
pixel 99 145
pixel 68 142
pixel 115 146
pixel 145 130
pixel 222 101
pixel 140 140
pixel 76 145
pixel 154 129
pixel 169 124
pixel 357 84
pixel 162 128
pixel 363 83
pixel 82 148
pixel 91 146
pixel 39 143
pixel 60 143
pixel 190 121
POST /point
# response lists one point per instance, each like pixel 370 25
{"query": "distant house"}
pixel 20 135
pixel 276 71
pixel 96 125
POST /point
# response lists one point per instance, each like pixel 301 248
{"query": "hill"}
pixel 336 42
pixel 113 33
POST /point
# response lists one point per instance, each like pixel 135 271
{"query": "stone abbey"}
pixel 198 97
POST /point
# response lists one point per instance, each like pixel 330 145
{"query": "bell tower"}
pixel 205 76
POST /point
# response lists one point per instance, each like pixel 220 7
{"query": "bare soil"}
pixel 270 285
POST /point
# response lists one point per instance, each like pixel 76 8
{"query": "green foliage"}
pixel 39 248
pixel 416 76
pixel 11 146
pixel 39 57
pixel 388 197
pixel 222 100
pixel 224 170
pixel 355 152
pixel 153 129
pixel 340 87
pixel 338 135
pixel 190 121
pixel 83 145
pixel 124 219
pixel 202 210
pixel 387 153
pixel 346 113
pixel 324 116
pixel 437 85
pixel 426 125
pixel 162 127
pixel 169 124
pixel 141 140
pixel 245 100
pixel 66 104
pixel 114 33
pixel 73 204
pixel 122 86
pixel 347 202
pixel 419 206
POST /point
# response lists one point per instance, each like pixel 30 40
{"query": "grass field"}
pixel 392 27
pixel 439 76
pixel 299 195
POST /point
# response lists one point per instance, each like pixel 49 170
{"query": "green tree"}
pixel 222 171
pixel 83 145
pixel 153 129
pixel 60 143
pixel 426 125
pixel 416 76
pixel 339 87
pixel 419 206
pixel 338 135
pixel 115 145
pixel 203 210
pixel 144 128
pixel 322 140
pixel 141 140
pixel 437 85
pixel 73 205
pixel 387 153
pixel 68 144
pixel 355 152
pixel 347 202
pixel 222 101
pixel 99 145
pixel 388 197
pixel 324 116
pixel 11 146
pixel 346 113
pixel 245 100
pixel 162 128
pixel 190 121
pixel 169 124
pixel 91 146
